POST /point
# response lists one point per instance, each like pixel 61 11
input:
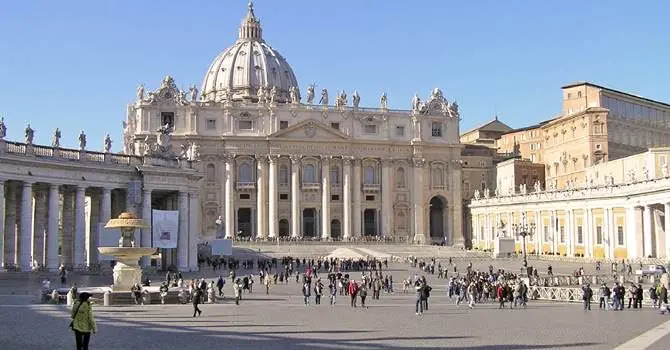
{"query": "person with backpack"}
pixel 83 322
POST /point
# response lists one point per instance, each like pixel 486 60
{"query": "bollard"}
pixel 70 298
pixel 106 298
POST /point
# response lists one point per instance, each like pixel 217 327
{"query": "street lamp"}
pixel 524 229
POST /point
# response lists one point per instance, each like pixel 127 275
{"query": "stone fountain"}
pixel 127 271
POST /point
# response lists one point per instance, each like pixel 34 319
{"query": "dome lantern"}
pixel 250 29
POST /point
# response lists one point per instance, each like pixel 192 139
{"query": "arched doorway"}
pixel 438 230
pixel 335 230
pixel 283 228
pixel 309 222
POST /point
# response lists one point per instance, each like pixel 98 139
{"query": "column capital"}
pixel 273 158
pixel 326 159
pixel 347 160
pixel 81 188
pixel 228 156
pixel 418 162
pixel 387 162
pixel 106 189
pixel 27 184
pixel 295 159
pixel 147 190
pixel 261 159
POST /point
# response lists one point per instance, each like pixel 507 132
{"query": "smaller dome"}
pixel 239 72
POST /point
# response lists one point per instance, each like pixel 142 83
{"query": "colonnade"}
pixel 46 224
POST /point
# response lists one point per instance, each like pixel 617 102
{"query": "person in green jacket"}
pixel 83 322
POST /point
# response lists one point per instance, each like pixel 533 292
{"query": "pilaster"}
pixel 295 197
pixel 387 200
pixel 272 197
pixel 325 198
pixel 261 193
pixel 417 199
pixel 230 195
pixel 93 236
pixel 357 211
pixel 67 246
pixel 346 198
pixel 2 224
pixel 182 244
pixel 646 229
pixel 194 233
pixel 146 232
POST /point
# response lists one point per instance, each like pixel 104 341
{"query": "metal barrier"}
pixel 573 295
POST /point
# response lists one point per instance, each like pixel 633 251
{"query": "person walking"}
pixel 353 292
pixel 83 322
pixel 587 294
pixel 333 293
pixel 306 292
pixel 418 287
pixel 197 294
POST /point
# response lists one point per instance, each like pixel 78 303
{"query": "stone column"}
pixel 295 197
pixel 588 233
pixel 230 194
pixel 608 237
pixel 646 229
pixel 52 260
pixel 387 200
pixel 146 232
pixel 356 188
pixel 25 238
pixel 106 205
pixel 261 197
pixel 39 226
pixel 2 225
pixel 539 232
pixel 92 235
pixel 80 227
pixel 457 234
pixel 325 198
pixel 572 237
pixel 417 200
pixel 182 241
pixel 631 233
pixel 67 246
pixel 346 198
pixel 194 233
pixel 272 197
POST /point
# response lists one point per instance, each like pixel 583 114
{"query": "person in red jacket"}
pixel 501 296
pixel 353 292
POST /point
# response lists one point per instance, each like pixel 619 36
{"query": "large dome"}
pixel 239 71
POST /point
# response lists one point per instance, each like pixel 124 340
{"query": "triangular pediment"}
pixel 310 129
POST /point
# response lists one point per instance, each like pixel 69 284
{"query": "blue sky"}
pixel 75 64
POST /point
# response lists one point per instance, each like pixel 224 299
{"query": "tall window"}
pixel 400 178
pixel 562 233
pixel 580 235
pixel 245 173
pixel 309 174
pixel 283 175
pixel 438 177
pixel 599 235
pixel 370 178
pixel 335 176
pixel 546 234
pixel 436 129
pixel 619 235
pixel 210 172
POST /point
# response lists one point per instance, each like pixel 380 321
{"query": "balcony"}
pixel 246 186
pixel 370 188
pixel 311 186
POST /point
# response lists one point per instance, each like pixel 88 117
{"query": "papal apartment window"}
pixel 436 129
pixel 335 126
pixel 245 125
pixel 211 124
pixel 167 118
pixel 399 130
pixel 370 129
pixel 283 124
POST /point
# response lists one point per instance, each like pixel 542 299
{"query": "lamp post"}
pixel 524 230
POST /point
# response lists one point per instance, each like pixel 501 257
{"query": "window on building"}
pixel 283 175
pixel 620 237
pixel 436 129
pixel 579 94
pixel 370 198
pixel 283 124
pixel 335 176
pixel 532 158
pixel 561 230
pixel 370 176
pixel 245 196
pixel 370 129
pixel 283 196
pixel 599 235
pixel 547 238
pixel 400 178
pixel 167 118
pixel 437 177
pixel 245 125
pixel 399 130
pixel 483 186
pixel 210 173
pixel 245 173
pixel 580 235
pixel 569 95
pixel 335 126
pixel 211 124
pixel 334 197
pixel 309 174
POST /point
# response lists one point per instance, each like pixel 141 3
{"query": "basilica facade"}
pixel 277 164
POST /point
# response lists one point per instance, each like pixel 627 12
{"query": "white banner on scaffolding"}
pixel 165 228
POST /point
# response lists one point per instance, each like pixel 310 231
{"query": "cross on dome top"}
pixel 250 29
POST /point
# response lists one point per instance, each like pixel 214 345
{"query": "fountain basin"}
pixel 127 271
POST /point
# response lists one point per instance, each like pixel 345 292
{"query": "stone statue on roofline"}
pixel 324 97
pixel 356 99
pixel 82 141
pixel 55 142
pixel 29 134
pixel 310 94
pixel 108 144
pixel 3 128
pixel 140 92
pixel 383 101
